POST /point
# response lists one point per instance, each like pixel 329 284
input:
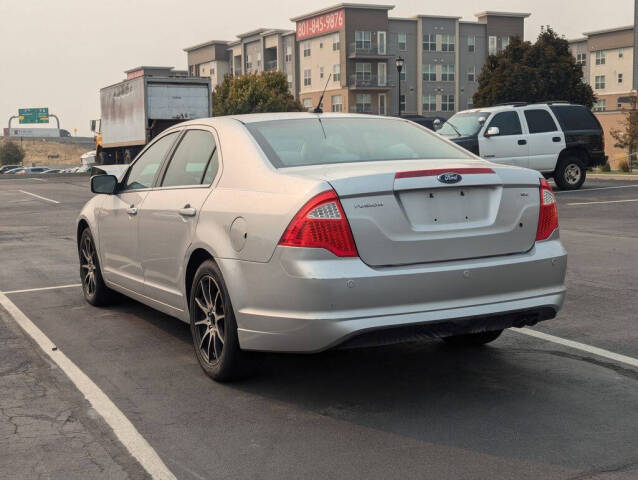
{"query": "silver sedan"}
pixel 298 232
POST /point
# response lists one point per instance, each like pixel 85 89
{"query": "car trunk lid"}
pixel 401 213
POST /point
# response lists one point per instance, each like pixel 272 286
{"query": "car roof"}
pixel 265 117
pixel 500 108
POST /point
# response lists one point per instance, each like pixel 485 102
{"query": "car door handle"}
pixel 556 139
pixel 522 142
pixel 131 210
pixel 187 211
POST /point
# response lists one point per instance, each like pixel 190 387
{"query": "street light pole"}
pixel 399 64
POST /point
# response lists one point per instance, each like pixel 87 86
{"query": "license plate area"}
pixel 450 207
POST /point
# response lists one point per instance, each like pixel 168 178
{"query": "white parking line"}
pixel 602 202
pixel 38 196
pixel 42 288
pixel 578 346
pixel 585 190
pixel 124 430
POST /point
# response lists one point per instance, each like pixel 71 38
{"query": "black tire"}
pixel 213 325
pixel 473 339
pixel 95 290
pixel 570 173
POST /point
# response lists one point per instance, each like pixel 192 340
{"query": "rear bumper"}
pixel 307 300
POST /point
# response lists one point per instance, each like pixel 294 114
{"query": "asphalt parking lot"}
pixel 522 407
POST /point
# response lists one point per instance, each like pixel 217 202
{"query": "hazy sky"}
pixel 59 53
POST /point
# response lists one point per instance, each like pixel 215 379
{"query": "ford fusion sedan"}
pixel 300 232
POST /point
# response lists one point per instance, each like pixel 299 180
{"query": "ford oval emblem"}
pixel 449 177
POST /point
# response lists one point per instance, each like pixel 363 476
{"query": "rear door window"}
pixel 194 161
pixel 508 123
pixel 539 121
pixel 575 117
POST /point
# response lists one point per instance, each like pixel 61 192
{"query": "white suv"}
pixel 559 139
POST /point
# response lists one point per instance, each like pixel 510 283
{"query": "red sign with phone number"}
pixel 326 23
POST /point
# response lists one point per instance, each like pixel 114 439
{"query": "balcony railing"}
pixel 368 81
pixel 370 49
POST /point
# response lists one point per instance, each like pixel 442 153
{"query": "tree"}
pixel 627 136
pixel 254 93
pixel 539 72
pixel 11 153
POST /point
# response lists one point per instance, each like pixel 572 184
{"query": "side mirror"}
pixel 493 132
pixel 436 123
pixel 105 184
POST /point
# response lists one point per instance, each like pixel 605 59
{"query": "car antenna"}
pixel 318 107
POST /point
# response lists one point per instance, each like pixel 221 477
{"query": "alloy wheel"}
pixel 210 325
pixel 88 265
pixel 572 174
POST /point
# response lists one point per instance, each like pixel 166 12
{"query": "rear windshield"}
pixel 575 117
pixel 292 143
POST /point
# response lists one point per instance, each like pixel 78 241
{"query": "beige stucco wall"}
pixel 609 122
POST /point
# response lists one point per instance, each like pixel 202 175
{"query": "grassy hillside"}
pixel 51 152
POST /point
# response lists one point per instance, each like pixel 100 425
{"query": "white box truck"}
pixel 150 100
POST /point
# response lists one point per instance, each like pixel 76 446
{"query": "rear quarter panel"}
pixel 253 203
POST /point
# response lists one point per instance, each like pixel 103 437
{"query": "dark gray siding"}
pixel 409 86
pixel 469 60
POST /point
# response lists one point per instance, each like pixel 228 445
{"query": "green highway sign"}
pixel 33 115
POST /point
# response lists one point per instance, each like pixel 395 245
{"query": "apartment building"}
pixel 608 60
pixel 350 50
pixel 252 52
pixel 359 44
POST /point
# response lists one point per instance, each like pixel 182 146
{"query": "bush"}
pixel 624 166
pixel 11 153
pixel 605 167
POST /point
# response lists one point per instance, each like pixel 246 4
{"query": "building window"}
pixel 288 58
pixel 249 63
pixel 447 73
pixel 581 59
pixel 599 83
pixel 620 78
pixel 336 43
pixel 429 103
pixel 447 43
pixel 402 102
pixel 402 74
pixel 307 78
pixel 492 45
pixel 336 103
pixel 290 81
pixel 471 44
pixel 470 104
pixel 621 52
pixel 362 40
pixel 600 105
pixel 600 57
pixel 363 71
pixel 258 60
pixel 320 72
pixel 429 73
pixel 382 104
pixel 336 72
pixel 447 103
pixel 364 103
pixel 429 43
pixel 306 48
pixel 307 103
pixel 505 41
pixel 403 41
pixel 471 74
pixel 320 44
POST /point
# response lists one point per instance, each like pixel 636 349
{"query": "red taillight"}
pixel 321 223
pixel 548 218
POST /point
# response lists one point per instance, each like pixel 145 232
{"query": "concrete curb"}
pixel 602 176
